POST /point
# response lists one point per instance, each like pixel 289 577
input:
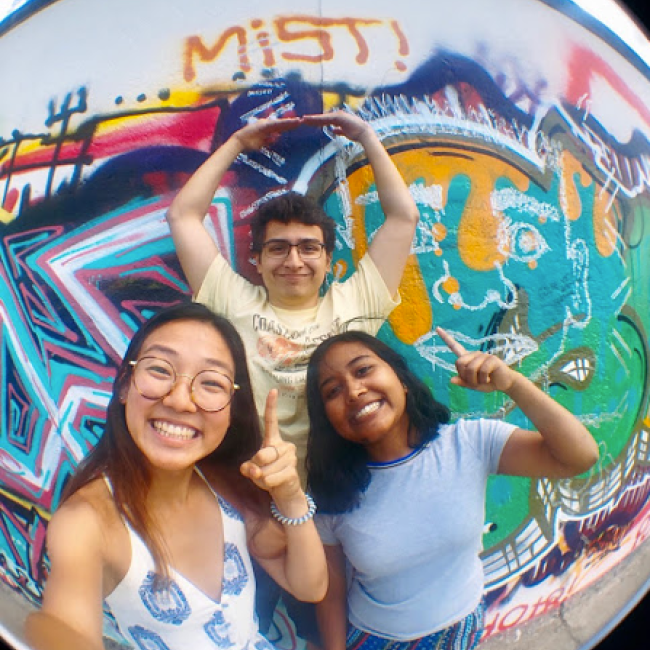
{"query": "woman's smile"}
pixel 368 409
pixel 174 431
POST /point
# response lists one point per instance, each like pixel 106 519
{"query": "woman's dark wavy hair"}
pixel 337 469
pixel 117 457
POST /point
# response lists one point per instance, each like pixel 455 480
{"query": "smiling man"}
pixel 292 242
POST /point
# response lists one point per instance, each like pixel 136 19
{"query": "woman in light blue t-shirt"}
pixel 401 492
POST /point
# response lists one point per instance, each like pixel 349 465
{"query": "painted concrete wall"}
pixel 522 128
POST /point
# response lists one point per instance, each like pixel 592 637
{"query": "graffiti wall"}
pixel 523 131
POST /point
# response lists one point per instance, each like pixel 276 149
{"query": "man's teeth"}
pixel 367 409
pixel 176 431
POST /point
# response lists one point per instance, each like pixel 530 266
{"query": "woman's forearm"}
pixel 565 438
pixel 332 611
pixel 46 632
pixel 305 568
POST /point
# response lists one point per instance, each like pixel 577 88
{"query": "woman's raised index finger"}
pixel 271 429
pixel 451 342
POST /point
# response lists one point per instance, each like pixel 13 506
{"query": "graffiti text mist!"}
pixel 302 39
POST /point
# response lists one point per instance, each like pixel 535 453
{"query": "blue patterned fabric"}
pixel 167 604
pixel 464 635
pixel 177 615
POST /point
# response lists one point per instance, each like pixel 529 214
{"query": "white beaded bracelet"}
pixel 295 521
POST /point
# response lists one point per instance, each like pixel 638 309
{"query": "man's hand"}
pixel 342 123
pixel 262 133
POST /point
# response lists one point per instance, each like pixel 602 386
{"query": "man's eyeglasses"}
pixel 155 378
pixel 308 249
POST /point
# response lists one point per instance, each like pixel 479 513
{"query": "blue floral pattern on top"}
pixel 228 509
pixel 235 577
pixel 166 603
pixel 146 639
pixel 217 629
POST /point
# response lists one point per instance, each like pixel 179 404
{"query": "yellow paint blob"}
pixel 451 285
pixel 439 231
pixel 339 269
pixel 5 216
pixel 605 223
pixel 569 195
pixel 479 230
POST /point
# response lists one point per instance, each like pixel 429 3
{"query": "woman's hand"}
pixel 342 123
pixel 264 132
pixel 561 447
pixel 273 467
pixel 478 370
pixel 301 568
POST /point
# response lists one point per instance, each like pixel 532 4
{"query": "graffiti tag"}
pixel 312 36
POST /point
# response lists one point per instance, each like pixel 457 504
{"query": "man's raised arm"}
pixel 195 247
pixel 391 244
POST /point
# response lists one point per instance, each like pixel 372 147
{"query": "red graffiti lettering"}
pixel 309 31
pixel 194 47
pixel 497 622
pixel 545 604
pixel 585 66
pixel 642 531
pixel 403 46
pixel 263 38
pixel 490 626
pixel 324 39
pixel 513 617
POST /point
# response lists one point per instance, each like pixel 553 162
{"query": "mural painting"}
pixel 532 178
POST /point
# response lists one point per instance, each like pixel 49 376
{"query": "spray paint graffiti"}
pixel 531 245
pixel 287 29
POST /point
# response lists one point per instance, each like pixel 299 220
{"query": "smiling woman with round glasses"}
pixel 160 520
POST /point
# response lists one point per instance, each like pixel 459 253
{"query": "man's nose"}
pixel 293 257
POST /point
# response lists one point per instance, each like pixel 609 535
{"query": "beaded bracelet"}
pixel 295 521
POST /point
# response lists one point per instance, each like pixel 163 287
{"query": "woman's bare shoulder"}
pixel 86 517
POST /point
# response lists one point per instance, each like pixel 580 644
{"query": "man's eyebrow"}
pixel 304 240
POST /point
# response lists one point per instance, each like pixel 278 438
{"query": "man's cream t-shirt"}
pixel 279 342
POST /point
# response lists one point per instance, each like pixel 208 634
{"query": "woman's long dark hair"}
pixel 337 469
pixel 117 457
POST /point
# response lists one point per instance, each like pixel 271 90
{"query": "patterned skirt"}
pixel 463 635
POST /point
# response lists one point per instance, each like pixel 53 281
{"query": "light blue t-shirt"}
pixel 413 544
